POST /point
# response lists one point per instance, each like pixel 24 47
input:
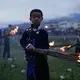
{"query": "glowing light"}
pixel 14 31
pixel 78 58
pixel 51 44
pixel 62 49
pixel 46 26
pixel 79 55
pixel 68 46
pixel 78 61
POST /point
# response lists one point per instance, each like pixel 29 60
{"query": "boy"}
pixel 37 67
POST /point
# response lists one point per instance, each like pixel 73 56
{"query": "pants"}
pixel 6 51
pixel 39 71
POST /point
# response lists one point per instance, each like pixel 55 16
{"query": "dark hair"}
pixel 36 10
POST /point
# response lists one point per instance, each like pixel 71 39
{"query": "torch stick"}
pixel 72 45
pixel 69 57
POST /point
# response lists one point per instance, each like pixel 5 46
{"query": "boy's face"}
pixel 36 18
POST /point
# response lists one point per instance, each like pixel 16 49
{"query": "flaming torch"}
pixel 68 46
pixel 11 33
pixel 63 49
pixel 14 31
pixel 60 55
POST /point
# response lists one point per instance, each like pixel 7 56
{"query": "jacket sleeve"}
pixel 24 40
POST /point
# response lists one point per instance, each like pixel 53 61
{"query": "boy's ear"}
pixel 30 19
pixel 42 18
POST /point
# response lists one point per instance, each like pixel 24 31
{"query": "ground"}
pixel 15 68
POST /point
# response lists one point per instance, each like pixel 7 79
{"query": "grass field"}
pixel 15 68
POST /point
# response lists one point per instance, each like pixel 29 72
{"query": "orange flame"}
pixel 14 31
pixel 78 61
pixel 63 49
pixel 78 58
pixel 68 46
pixel 51 44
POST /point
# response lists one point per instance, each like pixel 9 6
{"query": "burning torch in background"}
pixel 76 56
pixel 11 33
pixel 63 49
pixel 14 31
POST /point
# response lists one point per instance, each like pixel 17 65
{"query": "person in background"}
pixel 77 48
pixel 0 42
pixel 6 51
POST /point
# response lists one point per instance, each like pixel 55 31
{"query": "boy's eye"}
pixel 36 16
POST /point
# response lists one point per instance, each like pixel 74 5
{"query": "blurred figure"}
pixel 0 42
pixel 7 41
pixel 77 49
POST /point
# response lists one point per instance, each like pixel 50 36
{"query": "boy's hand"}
pixel 30 46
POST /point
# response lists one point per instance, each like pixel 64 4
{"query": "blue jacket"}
pixel 39 38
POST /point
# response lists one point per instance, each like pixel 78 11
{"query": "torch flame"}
pixel 14 31
pixel 68 46
pixel 78 58
pixel 51 44
pixel 78 61
pixel 64 48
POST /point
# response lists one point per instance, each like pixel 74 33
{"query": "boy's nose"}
pixel 36 18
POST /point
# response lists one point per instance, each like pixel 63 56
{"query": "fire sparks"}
pixel 51 44
pixel 14 31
